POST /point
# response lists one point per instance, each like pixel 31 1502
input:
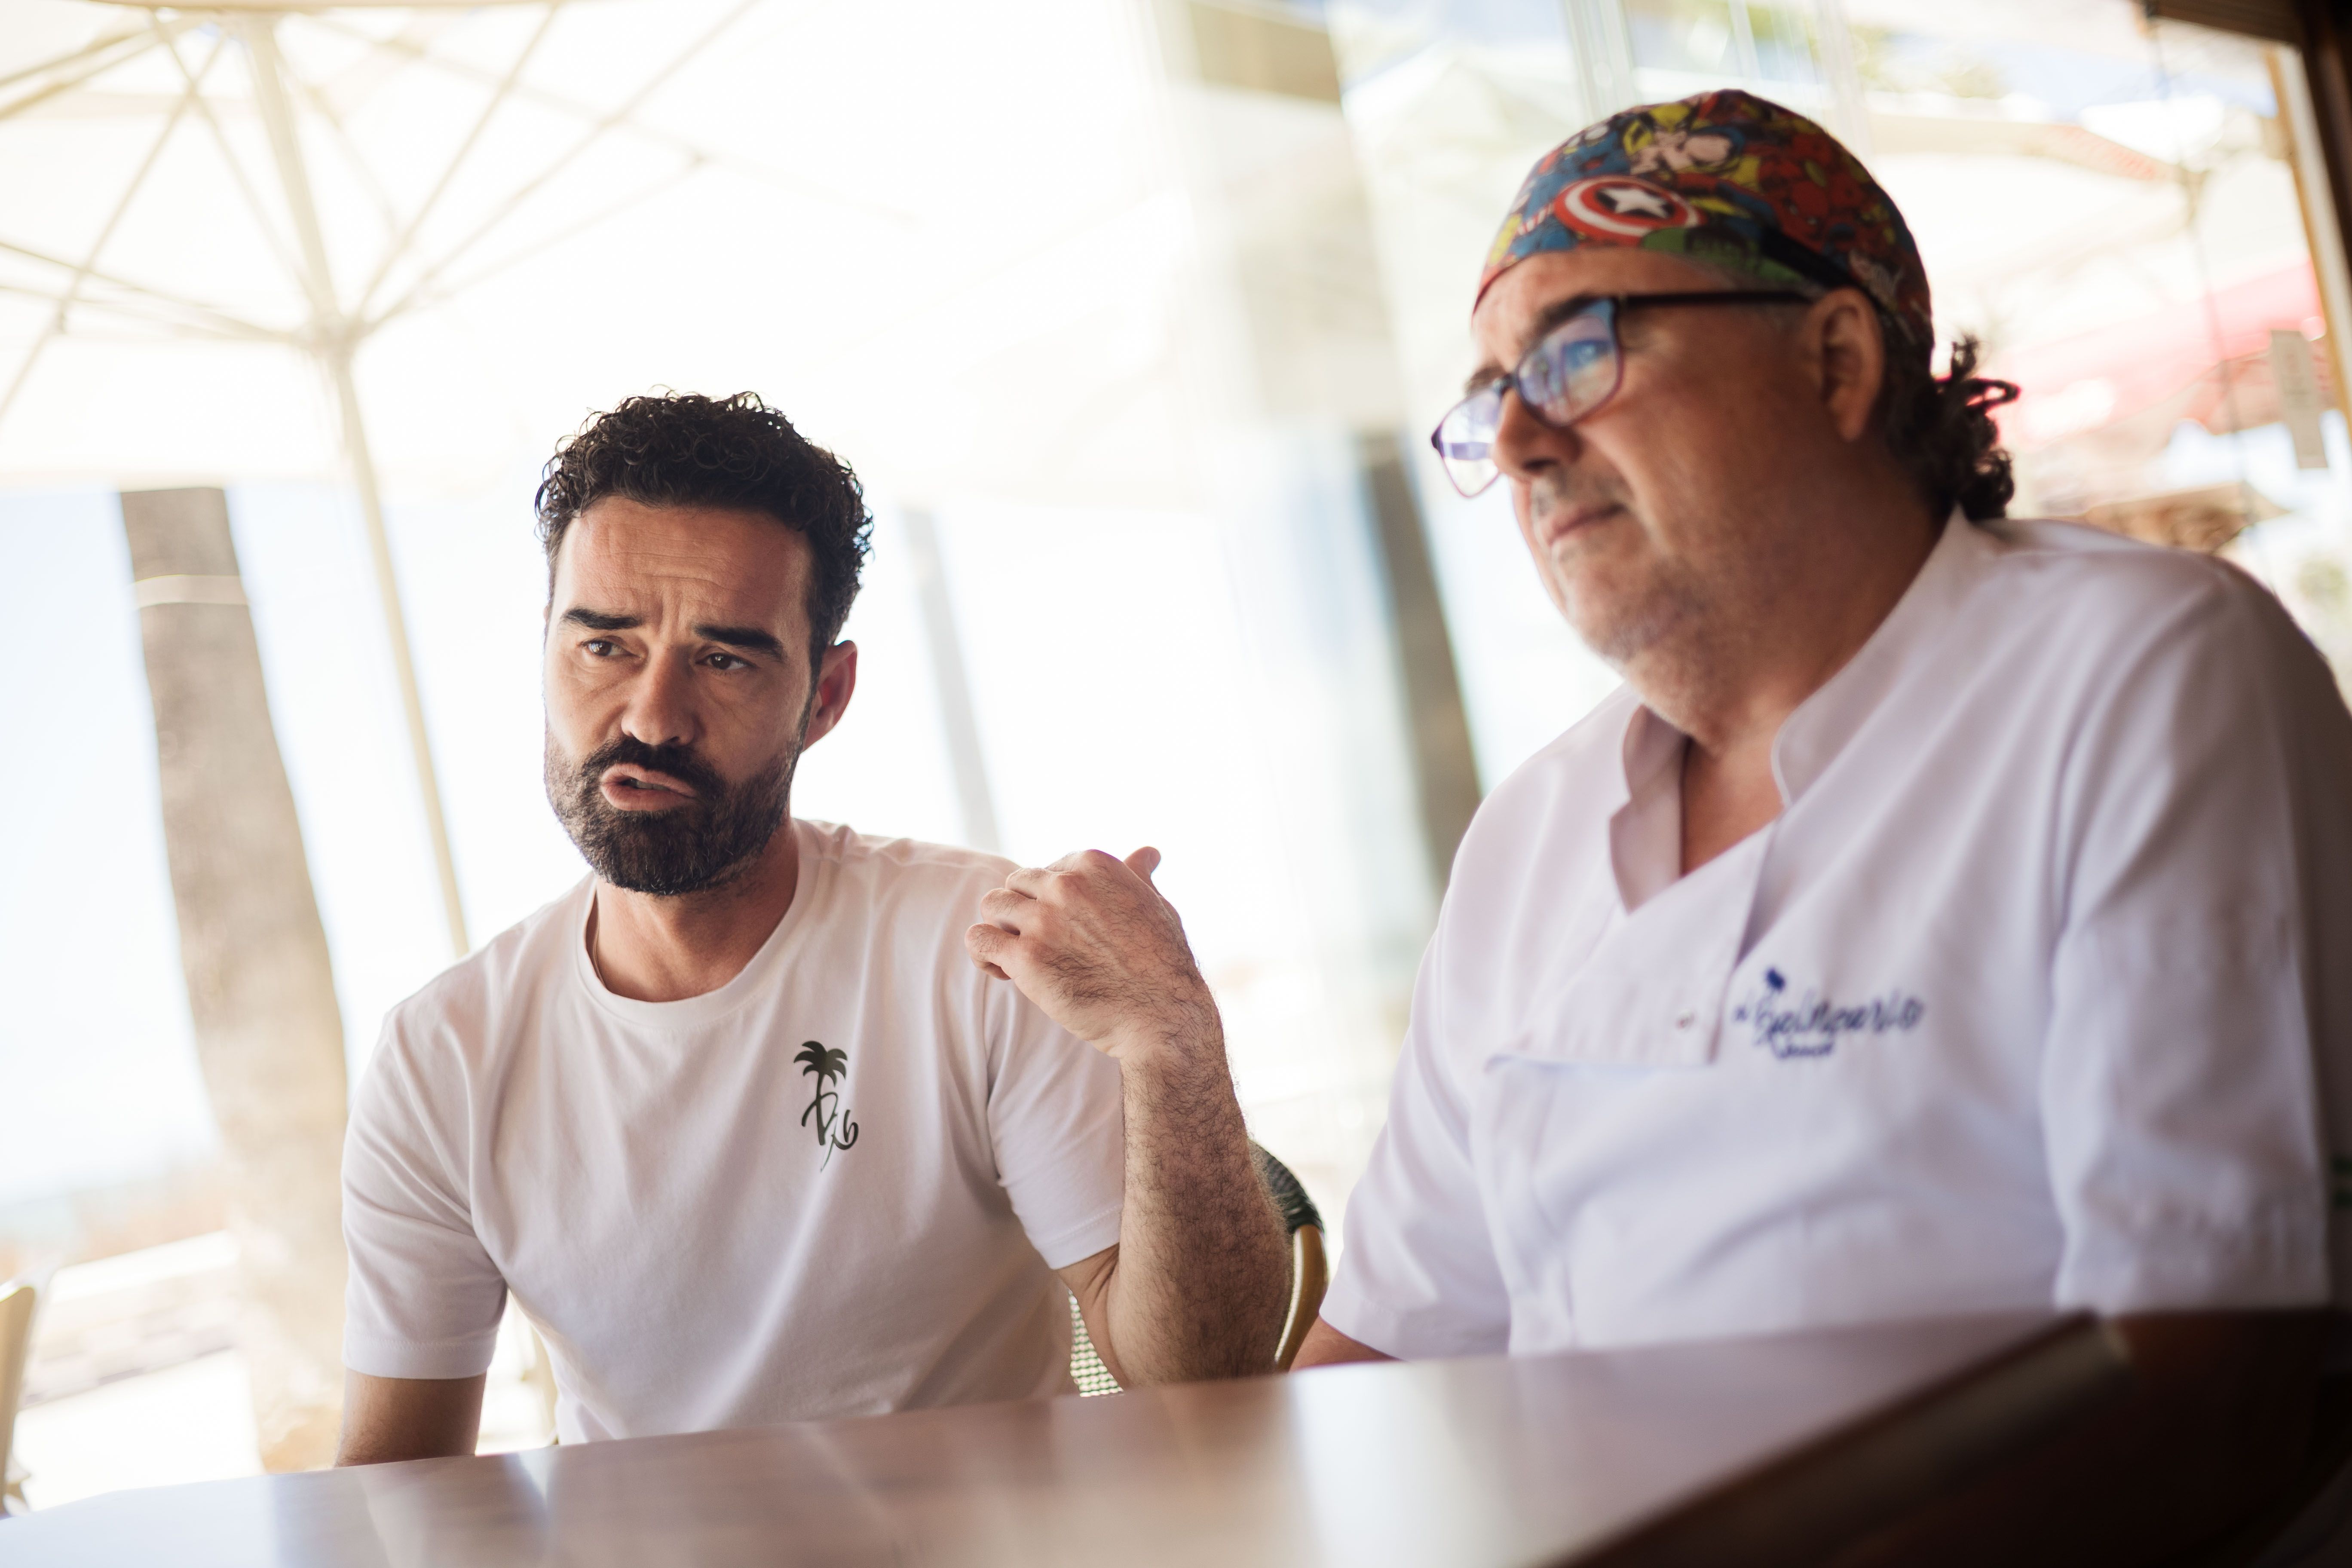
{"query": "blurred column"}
pixel 1833 51
pixel 2314 195
pixel 270 1036
pixel 1275 160
pixel 1604 55
pixel 974 801
pixel 1445 769
pixel 1294 368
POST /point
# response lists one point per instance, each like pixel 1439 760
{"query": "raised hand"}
pixel 1198 1282
pixel 1089 939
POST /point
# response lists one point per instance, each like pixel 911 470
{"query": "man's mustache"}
pixel 1550 493
pixel 679 761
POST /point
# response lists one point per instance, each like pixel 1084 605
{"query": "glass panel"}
pixel 1682 36
pixel 1784 45
pixel 2112 211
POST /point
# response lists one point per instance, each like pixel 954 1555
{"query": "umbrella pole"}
pixel 332 339
pixel 396 623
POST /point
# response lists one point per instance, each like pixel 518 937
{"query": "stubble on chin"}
pixel 1620 595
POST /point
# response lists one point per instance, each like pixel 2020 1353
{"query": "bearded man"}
pixel 1951 914
pixel 736 1123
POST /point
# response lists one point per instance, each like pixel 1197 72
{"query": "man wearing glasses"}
pixel 1949 914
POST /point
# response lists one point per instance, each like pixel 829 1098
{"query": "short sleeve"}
pixel 2189 1032
pixel 1418 1277
pixel 1055 1118
pixel 424 1299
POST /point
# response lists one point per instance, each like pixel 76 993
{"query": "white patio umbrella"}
pixel 266 273
pixel 467 226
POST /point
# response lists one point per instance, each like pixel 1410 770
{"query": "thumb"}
pixel 1144 862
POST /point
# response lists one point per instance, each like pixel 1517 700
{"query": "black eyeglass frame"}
pixel 1609 306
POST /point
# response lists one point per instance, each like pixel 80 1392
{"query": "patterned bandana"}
pixel 1728 178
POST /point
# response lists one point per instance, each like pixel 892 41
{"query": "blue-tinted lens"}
pixel 1465 440
pixel 1573 370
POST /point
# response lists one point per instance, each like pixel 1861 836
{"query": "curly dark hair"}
pixel 681 448
pixel 1941 429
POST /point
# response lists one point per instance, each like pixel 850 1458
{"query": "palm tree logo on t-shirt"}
pixel 834 1130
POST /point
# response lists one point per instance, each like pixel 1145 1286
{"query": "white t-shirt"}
pixel 2038 991
pixel 707 1230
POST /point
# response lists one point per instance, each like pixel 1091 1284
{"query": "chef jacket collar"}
pixel 1812 738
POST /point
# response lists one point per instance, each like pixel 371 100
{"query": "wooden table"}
pixel 1753 1452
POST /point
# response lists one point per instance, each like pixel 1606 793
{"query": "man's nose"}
pixel 1525 445
pixel 660 709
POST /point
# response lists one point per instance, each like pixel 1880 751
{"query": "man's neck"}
pixel 667 948
pixel 1733 681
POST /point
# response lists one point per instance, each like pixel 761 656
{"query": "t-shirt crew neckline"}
pixel 693 1012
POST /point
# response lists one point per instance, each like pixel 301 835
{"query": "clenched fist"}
pixel 1090 940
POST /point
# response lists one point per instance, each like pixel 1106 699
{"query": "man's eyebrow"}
pixel 1560 311
pixel 750 637
pixel 602 620
pixel 1484 376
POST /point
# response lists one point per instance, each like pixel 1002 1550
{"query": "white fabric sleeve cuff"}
pixel 2184 1268
pixel 1076 1243
pixel 381 1355
pixel 1422 1335
pixel 1349 1310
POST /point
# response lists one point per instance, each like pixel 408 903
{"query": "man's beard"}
pixel 1635 618
pixel 698 844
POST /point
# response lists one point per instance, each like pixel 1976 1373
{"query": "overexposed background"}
pixel 1111 292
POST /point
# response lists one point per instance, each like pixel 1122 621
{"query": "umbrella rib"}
pixel 401 47
pixel 100 68
pixel 595 133
pixel 485 274
pixel 261 218
pixel 751 168
pixel 66 300
pixel 407 236
pixel 96 46
pixel 234 331
pixel 325 110
pixel 233 324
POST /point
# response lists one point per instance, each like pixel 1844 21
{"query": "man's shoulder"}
pixel 2068 581
pixel 913 896
pixel 898 909
pixel 463 1002
pixel 908 869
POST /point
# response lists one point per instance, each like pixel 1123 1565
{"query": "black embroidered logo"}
pixel 1811 1025
pixel 834 1130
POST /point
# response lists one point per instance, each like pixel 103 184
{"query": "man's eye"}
pixel 726 661
pixel 600 648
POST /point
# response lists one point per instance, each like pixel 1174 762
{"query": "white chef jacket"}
pixel 2037 990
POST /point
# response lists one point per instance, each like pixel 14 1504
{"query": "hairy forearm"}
pixel 1201 1278
pixel 2216 1424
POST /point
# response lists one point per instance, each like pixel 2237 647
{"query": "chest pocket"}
pixel 1651 993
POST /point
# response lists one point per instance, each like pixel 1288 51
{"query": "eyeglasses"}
pixel 1573 370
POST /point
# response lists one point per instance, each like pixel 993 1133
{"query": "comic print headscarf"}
pixel 1729 178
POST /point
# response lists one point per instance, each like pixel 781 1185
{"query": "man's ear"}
pixel 1848 346
pixel 836 682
